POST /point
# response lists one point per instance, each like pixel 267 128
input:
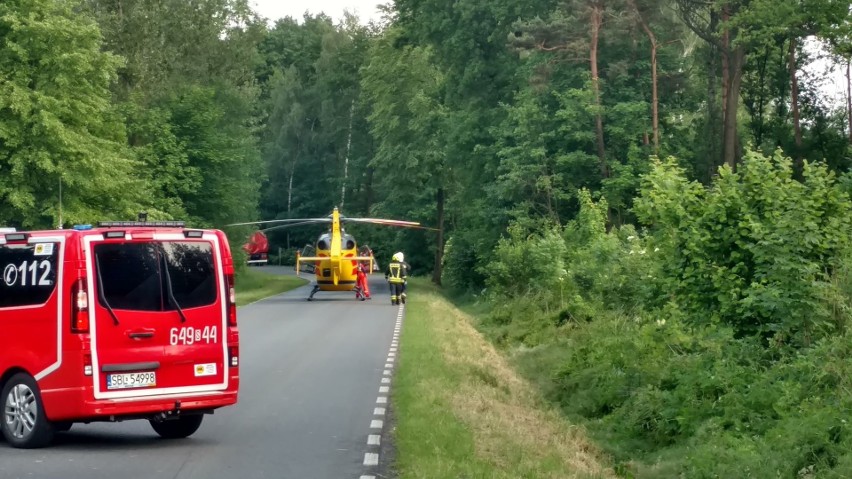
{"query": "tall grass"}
pixel 463 412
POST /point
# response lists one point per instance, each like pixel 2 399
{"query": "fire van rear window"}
pixel 29 274
pixel 134 277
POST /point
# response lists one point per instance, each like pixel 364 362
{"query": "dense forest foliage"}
pixel 656 190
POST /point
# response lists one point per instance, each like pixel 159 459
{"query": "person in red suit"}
pixel 362 287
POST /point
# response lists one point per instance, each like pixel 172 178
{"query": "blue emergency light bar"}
pixel 144 224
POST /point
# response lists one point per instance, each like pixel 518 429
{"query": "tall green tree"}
pixel 408 120
pixel 468 38
pixel 57 125
pixel 189 98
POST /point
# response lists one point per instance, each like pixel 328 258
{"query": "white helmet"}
pixel 399 257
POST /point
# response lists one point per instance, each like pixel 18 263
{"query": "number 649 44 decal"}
pixel 189 335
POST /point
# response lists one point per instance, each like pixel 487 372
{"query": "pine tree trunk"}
pixel 726 70
pixel 597 20
pixel 849 97
pixel 735 62
pixel 714 114
pixel 439 248
pixel 290 186
pixel 794 103
pixel 655 104
pixel 655 115
pixel 368 194
pixel 346 160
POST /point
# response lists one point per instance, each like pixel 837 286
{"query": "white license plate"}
pixel 131 380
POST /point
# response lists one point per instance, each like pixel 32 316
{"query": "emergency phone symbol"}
pixel 10 275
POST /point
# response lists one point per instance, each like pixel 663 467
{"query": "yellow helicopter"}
pixel 336 260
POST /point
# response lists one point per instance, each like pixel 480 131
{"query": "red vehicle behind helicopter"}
pixel 257 249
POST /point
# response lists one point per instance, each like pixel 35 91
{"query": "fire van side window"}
pixel 29 274
pixel 134 275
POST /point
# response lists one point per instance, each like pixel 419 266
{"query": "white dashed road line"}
pixel 371 459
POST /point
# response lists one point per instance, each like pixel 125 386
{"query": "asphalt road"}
pixel 310 377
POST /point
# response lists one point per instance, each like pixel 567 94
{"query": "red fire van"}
pixel 127 320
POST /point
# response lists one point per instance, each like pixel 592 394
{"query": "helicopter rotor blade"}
pixel 272 228
pixel 385 222
pixel 291 220
pixel 382 221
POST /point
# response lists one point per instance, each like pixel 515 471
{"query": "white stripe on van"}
pixel 223 291
pixel 49 239
pixel 60 291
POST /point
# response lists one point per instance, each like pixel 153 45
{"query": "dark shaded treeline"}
pixel 462 115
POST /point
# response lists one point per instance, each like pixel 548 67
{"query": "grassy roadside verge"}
pixel 463 412
pixel 253 284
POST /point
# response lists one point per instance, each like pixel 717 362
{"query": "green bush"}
pixel 711 344
pixel 756 250
pixel 619 268
pixel 703 403
pixel 525 264
pixel 461 255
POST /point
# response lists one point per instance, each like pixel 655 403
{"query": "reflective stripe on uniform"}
pixel 395 272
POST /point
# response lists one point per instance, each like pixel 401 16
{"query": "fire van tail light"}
pixel 234 356
pixel 87 364
pixel 80 307
pixel 232 301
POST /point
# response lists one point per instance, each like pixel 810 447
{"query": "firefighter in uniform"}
pixel 397 275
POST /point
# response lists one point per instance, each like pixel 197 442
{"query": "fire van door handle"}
pixel 141 334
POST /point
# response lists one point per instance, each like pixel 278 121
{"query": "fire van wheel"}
pixel 179 428
pixel 24 423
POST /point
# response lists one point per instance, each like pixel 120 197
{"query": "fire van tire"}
pixel 180 428
pixel 41 433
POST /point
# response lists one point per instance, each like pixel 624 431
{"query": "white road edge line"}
pixel 370 458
